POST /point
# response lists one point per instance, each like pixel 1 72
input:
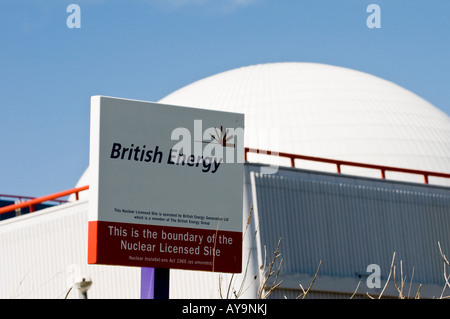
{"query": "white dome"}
pixel 327 111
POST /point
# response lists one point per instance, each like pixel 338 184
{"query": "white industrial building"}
pixel 344 221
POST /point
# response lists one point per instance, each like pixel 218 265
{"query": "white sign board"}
pixel 166 186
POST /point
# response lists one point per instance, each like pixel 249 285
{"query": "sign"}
pixel 166 186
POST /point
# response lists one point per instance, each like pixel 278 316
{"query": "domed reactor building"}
pixel 346 179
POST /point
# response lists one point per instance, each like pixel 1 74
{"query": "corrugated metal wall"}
pixel 349 223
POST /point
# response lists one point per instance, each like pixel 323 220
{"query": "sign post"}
pixel 166 186
pixel 155 283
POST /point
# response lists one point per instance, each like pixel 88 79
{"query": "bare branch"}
pixel 446 263
pixel 269 273
pixel 304 293
pixel 387 281
pixel 354 293
pixel 418 292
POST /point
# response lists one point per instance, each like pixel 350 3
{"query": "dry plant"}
pixel 271 271
pixel 400 286
pixel 305 292
pixel 264 289
pixel 446 277
pixel 268 271
pixel 230 289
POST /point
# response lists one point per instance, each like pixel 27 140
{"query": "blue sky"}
pixel 145 49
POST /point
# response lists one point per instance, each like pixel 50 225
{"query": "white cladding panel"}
pixel 43 252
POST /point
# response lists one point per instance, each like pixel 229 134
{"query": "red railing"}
pixel 31 202
pixel 339 163
pixel 20 198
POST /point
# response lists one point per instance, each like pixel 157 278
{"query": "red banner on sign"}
pixel 112 243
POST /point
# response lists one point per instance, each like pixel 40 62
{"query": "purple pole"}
pixel 155 283
pixel 147 283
